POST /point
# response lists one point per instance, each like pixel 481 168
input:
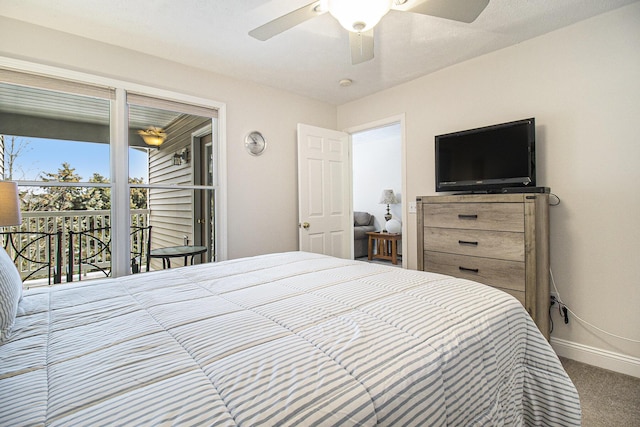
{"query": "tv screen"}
pixel 487 159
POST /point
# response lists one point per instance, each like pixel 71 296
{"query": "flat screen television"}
pixel 487 159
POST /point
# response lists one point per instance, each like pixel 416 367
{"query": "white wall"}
pixel 582 84
pixel 262 203
pixel 377 166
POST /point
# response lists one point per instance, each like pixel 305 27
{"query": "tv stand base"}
pixel 543 190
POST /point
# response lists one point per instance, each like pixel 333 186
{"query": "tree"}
pixel 97 198
pixel 76 197
pixel 13 147
pixel 59 198
pixel 138 195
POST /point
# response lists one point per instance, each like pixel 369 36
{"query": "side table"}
pixel 177 252
pixel 386 245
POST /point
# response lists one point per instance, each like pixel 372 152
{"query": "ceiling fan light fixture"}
pixel 358 15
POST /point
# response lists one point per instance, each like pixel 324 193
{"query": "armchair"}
pixel 362 223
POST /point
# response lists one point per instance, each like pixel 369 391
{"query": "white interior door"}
pixel 324 191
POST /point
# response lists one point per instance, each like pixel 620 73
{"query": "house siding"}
pixel 172 213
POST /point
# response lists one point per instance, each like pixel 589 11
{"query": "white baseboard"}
pixel 594 356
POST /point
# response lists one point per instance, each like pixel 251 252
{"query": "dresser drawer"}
pixel 501 240
pixel 488 244
pixel 507 275
pixel 477 216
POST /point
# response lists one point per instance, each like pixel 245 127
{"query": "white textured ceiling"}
pixel 311 58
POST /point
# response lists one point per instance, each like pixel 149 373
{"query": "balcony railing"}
pixel 45 251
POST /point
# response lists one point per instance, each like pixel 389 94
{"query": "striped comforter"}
pixel 293 339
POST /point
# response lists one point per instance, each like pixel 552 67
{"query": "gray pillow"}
pixel 10 294
pixel 361 218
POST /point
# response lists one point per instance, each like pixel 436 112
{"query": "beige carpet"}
pixel 607 398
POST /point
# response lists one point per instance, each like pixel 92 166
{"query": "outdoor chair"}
pixel 35 254
pixel 90 251
pixel 140 248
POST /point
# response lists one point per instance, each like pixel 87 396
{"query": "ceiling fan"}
pixel 360 16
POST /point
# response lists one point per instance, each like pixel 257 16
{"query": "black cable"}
pixel 557 198
pixel 553 301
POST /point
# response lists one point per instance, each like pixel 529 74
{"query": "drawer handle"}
pixel 470 270
pixel 465 242
pixel 463 216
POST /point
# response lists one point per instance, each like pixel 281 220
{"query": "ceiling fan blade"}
pixel 361 46
pixel 456 10
pixel 285 22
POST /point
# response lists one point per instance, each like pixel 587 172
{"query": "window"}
pixel 57 141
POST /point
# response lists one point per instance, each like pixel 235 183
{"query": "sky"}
pixel 47 155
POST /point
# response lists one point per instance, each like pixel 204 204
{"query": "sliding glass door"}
pixel 64 143
pixel 178 189
pixel 55 141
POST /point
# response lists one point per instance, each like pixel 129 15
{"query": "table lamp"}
pixel 388 198
pixel 9 204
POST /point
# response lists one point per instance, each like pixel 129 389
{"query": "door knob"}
pixel 304 225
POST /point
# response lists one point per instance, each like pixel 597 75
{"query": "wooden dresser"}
pixel 500 240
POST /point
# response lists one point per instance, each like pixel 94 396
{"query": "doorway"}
pixel 377 165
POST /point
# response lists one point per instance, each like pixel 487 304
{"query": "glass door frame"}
pixel 120 188
pixel 204 222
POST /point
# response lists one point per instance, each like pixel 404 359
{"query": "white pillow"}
pixel 10 294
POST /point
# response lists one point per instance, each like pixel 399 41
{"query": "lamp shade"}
pixel 358 15
pixel 153 136
pixel 9 204
pixel 388 197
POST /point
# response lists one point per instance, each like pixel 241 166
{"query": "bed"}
pixel 288 339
